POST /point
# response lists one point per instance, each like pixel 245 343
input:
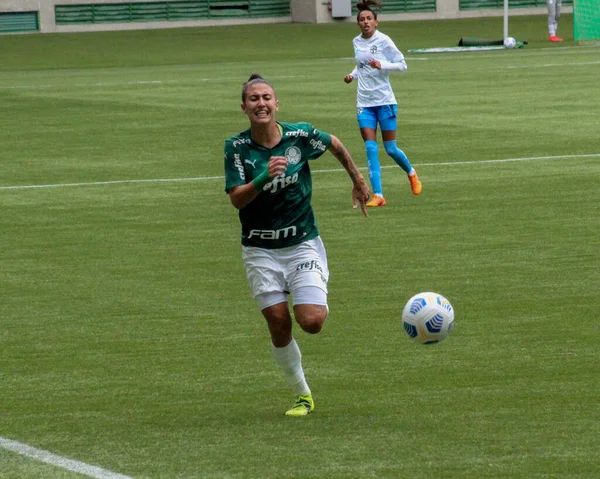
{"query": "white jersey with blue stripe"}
pixel 374 88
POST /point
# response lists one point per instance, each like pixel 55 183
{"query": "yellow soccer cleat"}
pixel 302 407
pixel 377 200
pixel 415 184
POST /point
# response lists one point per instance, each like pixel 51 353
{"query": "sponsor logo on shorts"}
pixel 311 265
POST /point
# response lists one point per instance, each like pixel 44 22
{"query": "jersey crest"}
pixel 293 155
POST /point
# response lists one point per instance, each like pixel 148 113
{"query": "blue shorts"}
pixel 385 115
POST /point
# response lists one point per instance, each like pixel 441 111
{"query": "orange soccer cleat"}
pixel 377 200
pixel 555 39
pixel 415 184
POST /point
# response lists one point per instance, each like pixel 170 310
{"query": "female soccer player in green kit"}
pixel 267 177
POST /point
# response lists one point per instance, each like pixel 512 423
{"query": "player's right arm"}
pixel 350 76
pixel 242 195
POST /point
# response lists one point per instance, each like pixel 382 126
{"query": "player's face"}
pixel 367 23
pixel 260 104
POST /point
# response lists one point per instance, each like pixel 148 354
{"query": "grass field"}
pixel 129 340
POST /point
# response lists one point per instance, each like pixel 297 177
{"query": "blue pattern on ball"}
pixel 444 304
pixel 434 325
pixel 410 330
pixel 417 305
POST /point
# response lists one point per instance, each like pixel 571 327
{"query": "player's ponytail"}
pixel 368 5
pixel 254 76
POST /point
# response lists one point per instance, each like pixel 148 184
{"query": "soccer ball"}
pixel 428 318
pixel 510 42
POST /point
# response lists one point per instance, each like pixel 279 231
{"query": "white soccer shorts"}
pixel 274 273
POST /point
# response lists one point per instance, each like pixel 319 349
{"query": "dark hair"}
pixel 367 5
pixel 253 80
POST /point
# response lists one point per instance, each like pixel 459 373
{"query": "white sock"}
pixel 289 359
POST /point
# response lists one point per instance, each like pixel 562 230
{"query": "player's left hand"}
pixel 360 196
pixel 375 64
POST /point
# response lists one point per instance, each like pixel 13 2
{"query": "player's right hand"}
pixel 277 166
pixel 348 78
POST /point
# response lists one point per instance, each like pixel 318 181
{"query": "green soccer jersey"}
pixel 281 215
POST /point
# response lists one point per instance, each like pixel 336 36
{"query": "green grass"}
pixel 129 337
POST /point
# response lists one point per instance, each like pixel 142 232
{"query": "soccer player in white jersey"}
pixel 267 176
pixel 553 16
pixel 376 56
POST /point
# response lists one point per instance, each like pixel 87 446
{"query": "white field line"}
pixel 479 162
pixel 225 79
pixel 59 461
pixel 335 170
pixel 549 65
pixel 138 82
pixel 350 59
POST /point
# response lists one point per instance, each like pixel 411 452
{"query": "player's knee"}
pixel 312 325
pixel 279 322
pixel 390 148
pixel 311 319
pixel 281 334
pixel 371 147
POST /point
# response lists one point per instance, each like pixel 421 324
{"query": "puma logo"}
pixel 253 163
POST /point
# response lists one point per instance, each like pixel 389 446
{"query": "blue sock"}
pixel 398 155
pixel 374 167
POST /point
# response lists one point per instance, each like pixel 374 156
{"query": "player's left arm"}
pixel 360 192
pixel 394 59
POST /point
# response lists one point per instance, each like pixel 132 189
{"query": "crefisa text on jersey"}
pixel 281 181
pixel 318 145
pixel 296 133
pixel 237 162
